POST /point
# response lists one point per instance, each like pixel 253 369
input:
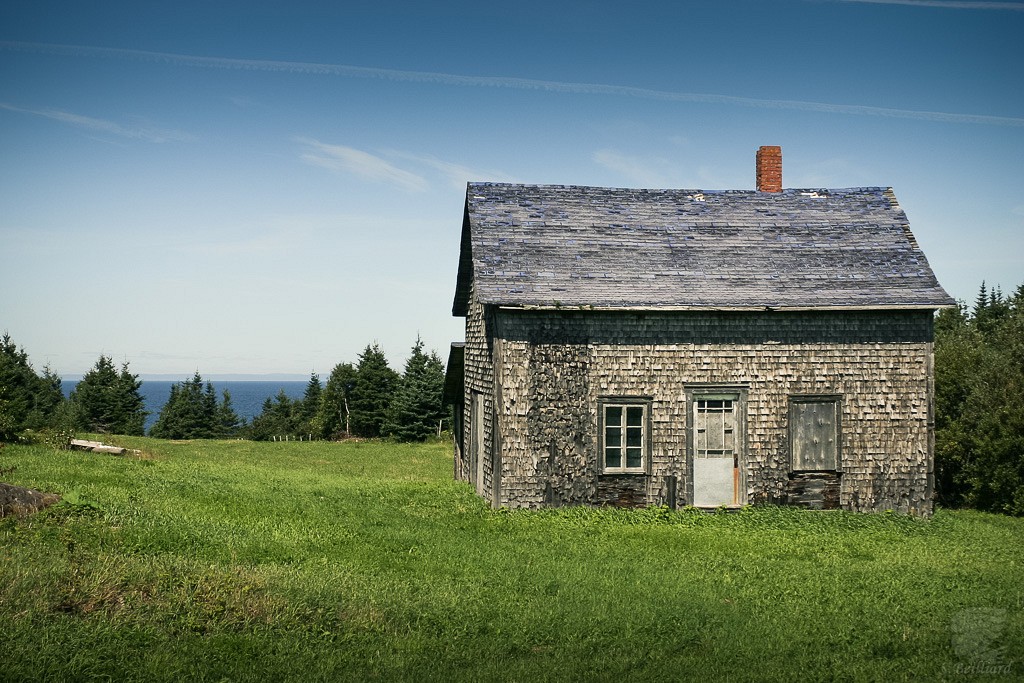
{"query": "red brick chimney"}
pixel 769 169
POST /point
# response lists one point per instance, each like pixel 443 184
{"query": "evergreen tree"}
pixel 981 301
pixel 277 419
pixel 371 393
pixel 27 401
pixel 191 412
pixel 50 394
pixel 228 422
pixel 306 410
pixel 332 416
pixel 979 404
pixel 169 419
pixel 109 401
pixel 131 408
pixel 416 410
pixel 94 396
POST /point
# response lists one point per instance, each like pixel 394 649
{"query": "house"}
pixel 684 347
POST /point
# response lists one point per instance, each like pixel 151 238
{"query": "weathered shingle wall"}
pixel 555 365
pixel 479 378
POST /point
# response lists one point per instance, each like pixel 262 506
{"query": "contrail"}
pixel 104 126
pixel 509 82
pixel 947 4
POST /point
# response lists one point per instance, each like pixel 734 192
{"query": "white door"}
pixel 716 448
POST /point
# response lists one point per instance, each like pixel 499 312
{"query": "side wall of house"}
pixel 479 396
pixel 554 367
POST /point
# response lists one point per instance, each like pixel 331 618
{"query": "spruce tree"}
pixel 49 395
pixel 95 398
pixel 277 419
pixel 228 422
pixel 168 420
pixel 27 401
pixel 131 408
pixel 109 401
pixel 981 301
pixel 416 411
pixel 191 412
pixel 332 419
pixel 306 410
pixel 372 391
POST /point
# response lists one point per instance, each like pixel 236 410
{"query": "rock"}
pixel 20 502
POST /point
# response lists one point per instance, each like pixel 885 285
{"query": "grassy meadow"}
pixel 242 561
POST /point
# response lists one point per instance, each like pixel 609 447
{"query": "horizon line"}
pixel 213 376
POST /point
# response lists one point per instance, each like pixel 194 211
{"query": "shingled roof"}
pixel 573 246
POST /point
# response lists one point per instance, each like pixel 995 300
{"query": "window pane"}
pixel 613 436
pixel 634 457
pixel 634 436
pixel 713 424
pixel 613 415
pixel 613 457
pixel 634 416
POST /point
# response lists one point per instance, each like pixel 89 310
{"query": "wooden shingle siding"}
pixel 555 366
pixel 478 369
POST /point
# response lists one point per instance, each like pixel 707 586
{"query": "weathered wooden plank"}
pixel 96 447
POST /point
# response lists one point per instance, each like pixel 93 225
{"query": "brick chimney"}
pixel 769 169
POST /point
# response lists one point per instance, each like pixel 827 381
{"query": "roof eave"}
pixel 460 305
pixel 658 309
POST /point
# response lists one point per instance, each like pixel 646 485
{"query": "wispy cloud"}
pixel 358 162
pixel 947 4
pixel 525 83
pixel 457 174
pixel 645 171
pixel 148 133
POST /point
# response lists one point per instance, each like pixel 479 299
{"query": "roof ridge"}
pixel 659 190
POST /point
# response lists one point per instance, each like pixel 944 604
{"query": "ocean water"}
pixel 246 397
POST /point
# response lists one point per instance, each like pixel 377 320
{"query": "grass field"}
pixel 242 561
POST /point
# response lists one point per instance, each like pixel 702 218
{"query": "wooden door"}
pixel 716 450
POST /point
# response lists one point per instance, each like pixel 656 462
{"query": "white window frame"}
pixel 626 404
pixel 730 428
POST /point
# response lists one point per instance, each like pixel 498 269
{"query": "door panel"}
pixel 713 482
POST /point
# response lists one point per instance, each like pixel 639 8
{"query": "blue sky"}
pixel 266 187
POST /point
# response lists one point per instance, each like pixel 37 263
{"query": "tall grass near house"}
pixel 209 560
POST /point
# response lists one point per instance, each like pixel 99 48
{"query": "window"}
pixel 624 436
pixel 715 423
pixel 814 432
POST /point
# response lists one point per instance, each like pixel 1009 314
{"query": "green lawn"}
pixel 246 561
